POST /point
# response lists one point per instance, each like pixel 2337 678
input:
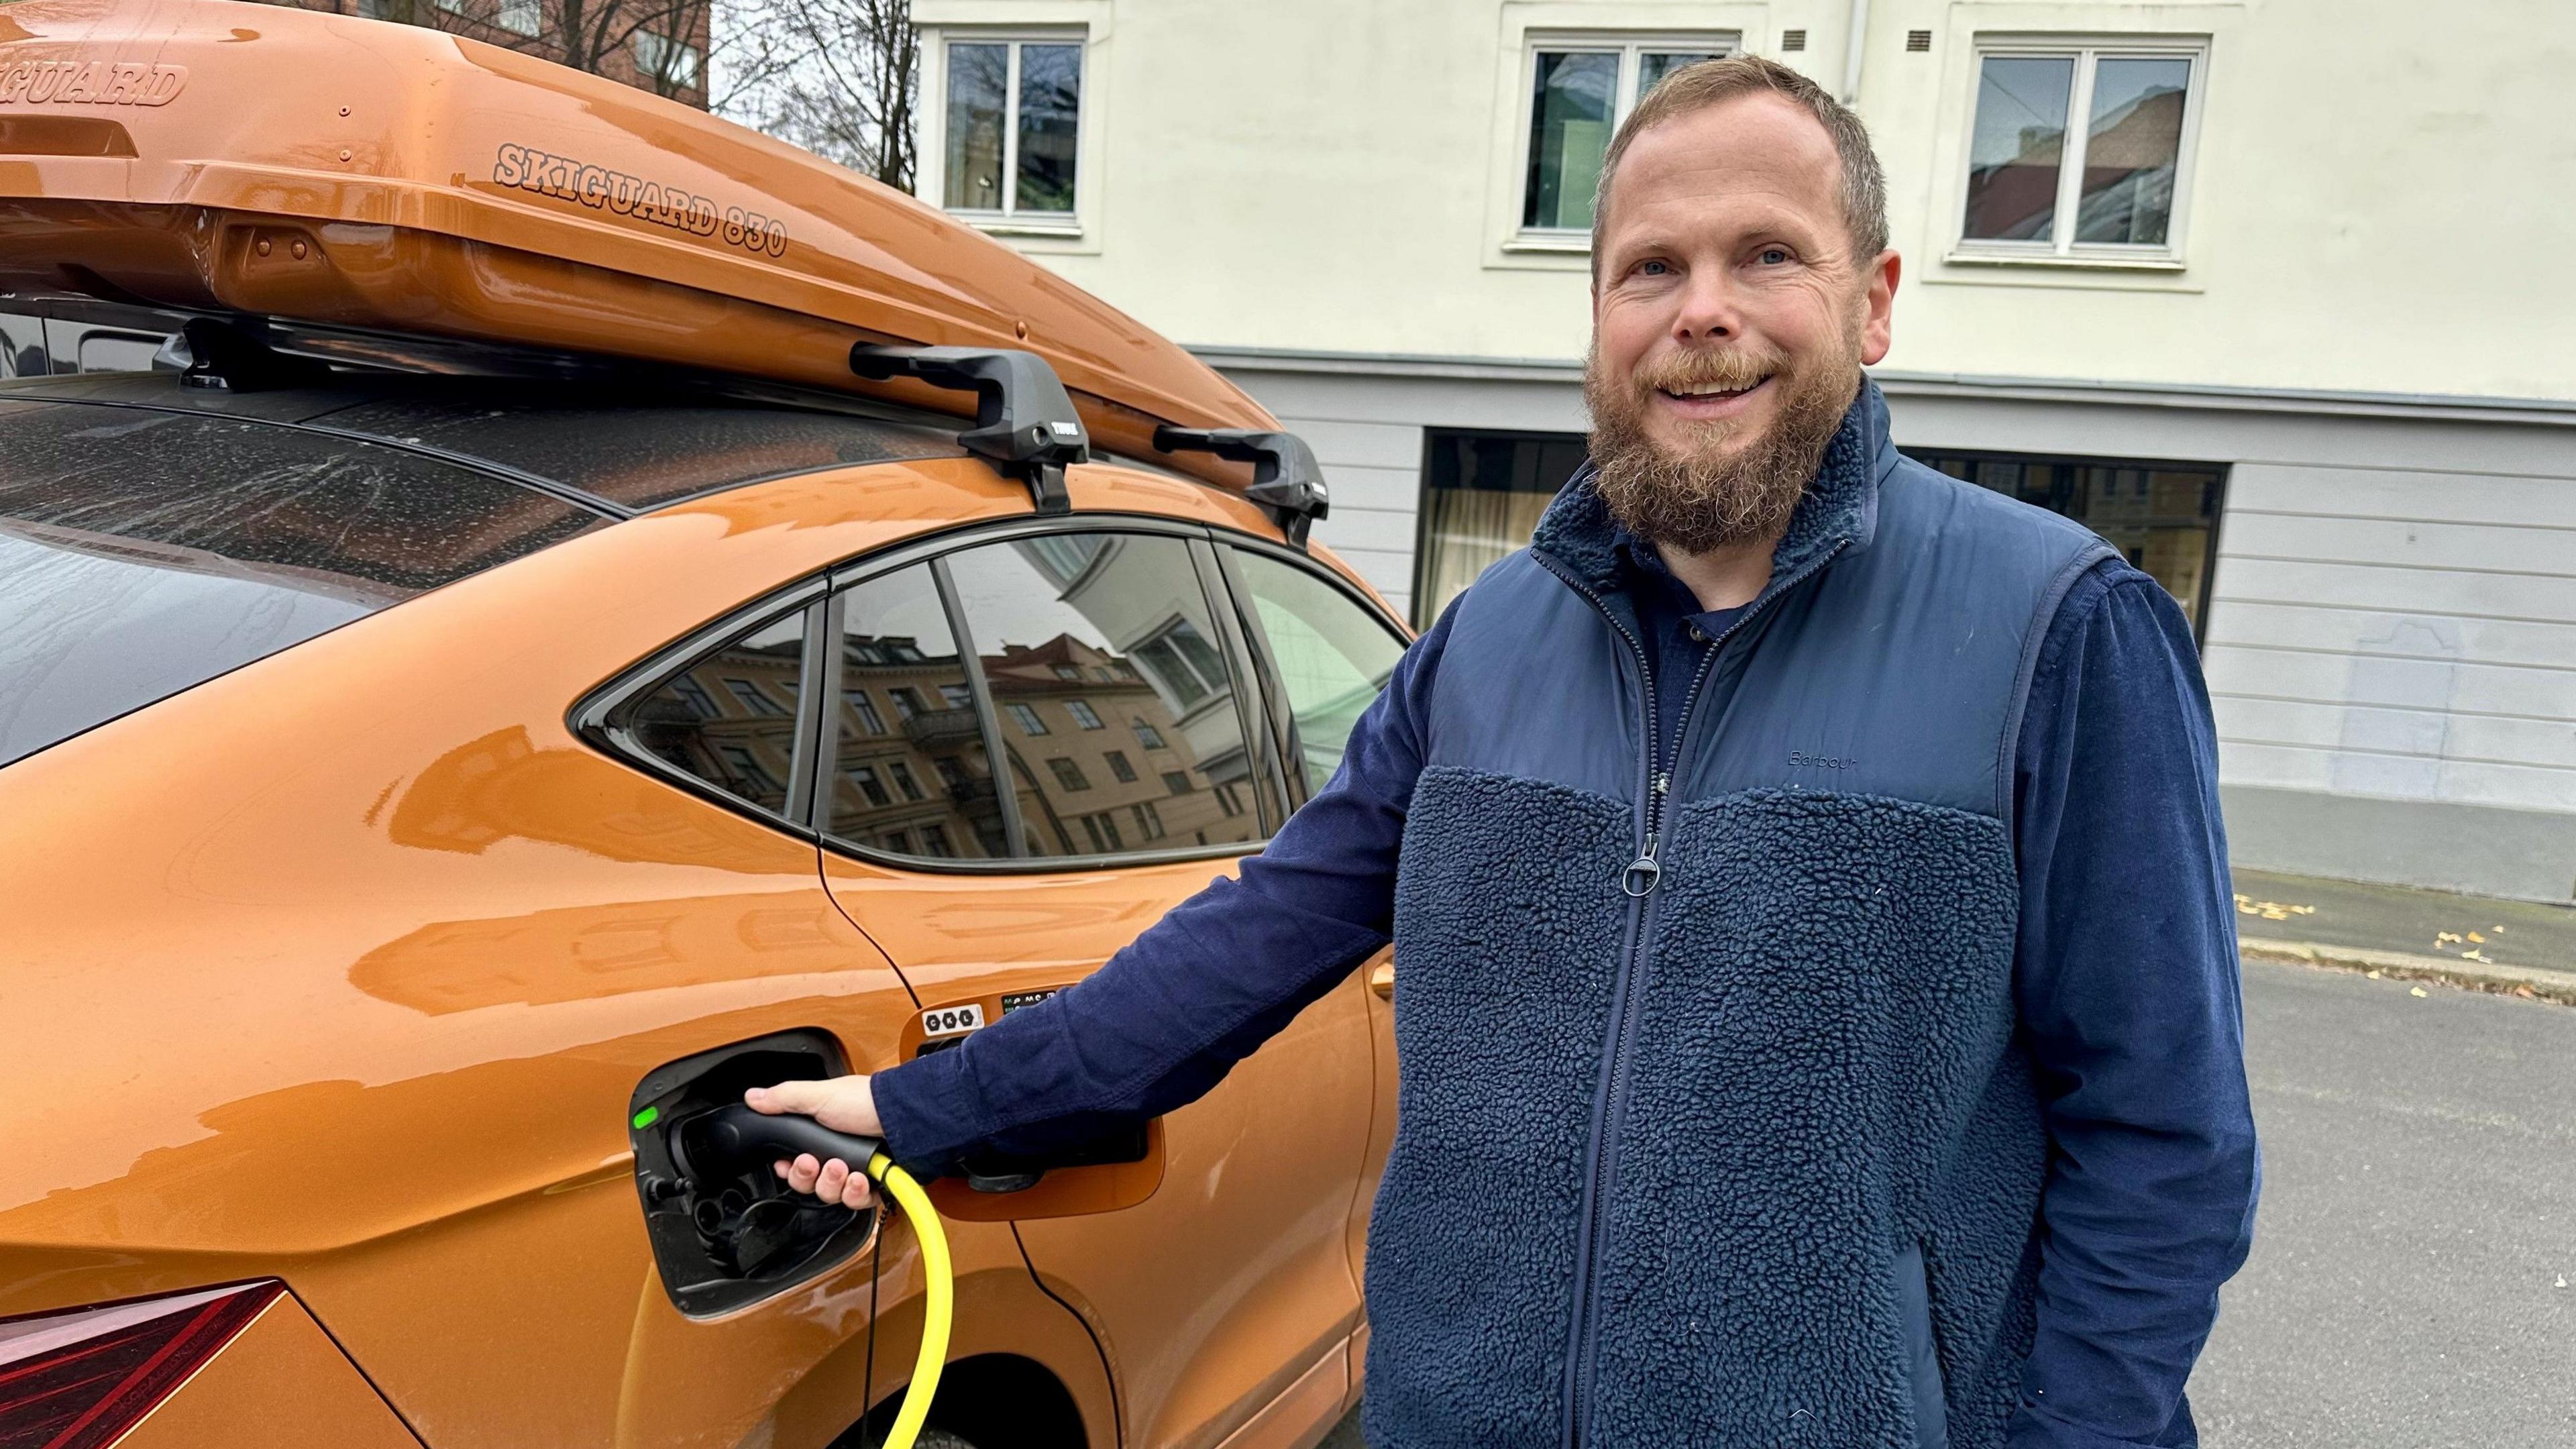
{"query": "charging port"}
pixel 726 1236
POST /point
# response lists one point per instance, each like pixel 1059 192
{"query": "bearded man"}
pixel 1816 979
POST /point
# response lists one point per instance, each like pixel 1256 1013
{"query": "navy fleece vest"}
pixel 1669 1135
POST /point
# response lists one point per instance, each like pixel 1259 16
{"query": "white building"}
pixel 2272 293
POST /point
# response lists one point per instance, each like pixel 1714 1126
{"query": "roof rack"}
pixel 1285 479
pixel 237 356
pixel 1025 425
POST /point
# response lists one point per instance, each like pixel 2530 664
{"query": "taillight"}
pixel 78 1379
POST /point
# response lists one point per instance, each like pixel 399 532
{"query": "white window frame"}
pixel 1631 47
pixel 533 10
pixel 2062 250
pixel 1009 220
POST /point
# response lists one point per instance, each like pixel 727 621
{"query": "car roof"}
pixel 616 448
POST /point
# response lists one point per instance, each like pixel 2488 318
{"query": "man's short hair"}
pixel 1697 87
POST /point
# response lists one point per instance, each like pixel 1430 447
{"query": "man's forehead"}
pixel 1756 149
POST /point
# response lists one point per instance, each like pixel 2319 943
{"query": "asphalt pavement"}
pixel 2413 1280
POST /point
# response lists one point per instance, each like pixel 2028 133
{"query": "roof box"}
pixel 354 173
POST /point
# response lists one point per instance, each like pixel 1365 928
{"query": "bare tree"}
pixel 838 77
pixel 659 45
pixel 654 37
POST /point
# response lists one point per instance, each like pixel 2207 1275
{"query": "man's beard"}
pixel 1705 497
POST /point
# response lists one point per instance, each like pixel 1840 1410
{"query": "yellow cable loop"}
pixel 940 1288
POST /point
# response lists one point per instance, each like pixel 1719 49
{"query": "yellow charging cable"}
pixel 939 1287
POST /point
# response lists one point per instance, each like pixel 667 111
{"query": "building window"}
pixel 521 17
pixel 1118 766
pixel 754 778
pixel 907 701
pixel 694 695
pixel 1182 660
pixel 666 62
pixel 1482 494
pixel 1082 713
pixel 1068 774
pixel 1103 830
pixel 1149 821
pixel 904 783
pixel 2080 151
pixel 1030 724
pixel 1176 782
pixel 1579 91
pixel 934 842
pixel 1146 735
pixel 1226 800
pixel 865 777
pixel 751 697
pixel 958 696
pixel 1014 118
pixel 866 709
pixel 2162 516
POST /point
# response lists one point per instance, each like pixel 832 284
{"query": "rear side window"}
pixel 730 718
pixel 1122 722
pixel 145 552
pixel 910 775
pixel 1331 655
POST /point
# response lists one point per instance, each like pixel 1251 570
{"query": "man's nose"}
pixel 1709 311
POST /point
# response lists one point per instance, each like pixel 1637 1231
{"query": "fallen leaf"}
pixel 2442 936
pixel 2473 955
pixel 2374 975
pixel 2562 1281
pixel 2417 991
pixel 2474 936
pixel 2525 992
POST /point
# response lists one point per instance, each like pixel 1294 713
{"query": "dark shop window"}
pixel 2163 516
pixel 1482 494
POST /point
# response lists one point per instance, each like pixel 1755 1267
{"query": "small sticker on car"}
pixel 952 1020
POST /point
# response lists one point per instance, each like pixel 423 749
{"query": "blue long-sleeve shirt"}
pixel 2125 984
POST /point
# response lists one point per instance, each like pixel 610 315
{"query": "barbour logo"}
pixel 1802 760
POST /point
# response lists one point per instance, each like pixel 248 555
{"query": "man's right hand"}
pixel 843 1104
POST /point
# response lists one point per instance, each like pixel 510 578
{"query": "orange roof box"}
pixel 356 173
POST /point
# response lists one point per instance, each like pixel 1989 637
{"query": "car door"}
pixel 1325 652
pixel 1080 699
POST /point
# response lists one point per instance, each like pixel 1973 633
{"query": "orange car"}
pixel 530 660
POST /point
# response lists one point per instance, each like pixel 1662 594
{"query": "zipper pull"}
pixel 1639 879
pixel 1663 782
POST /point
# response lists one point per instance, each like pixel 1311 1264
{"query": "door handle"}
pixel 1382 979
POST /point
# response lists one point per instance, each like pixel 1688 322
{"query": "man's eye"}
pixel 1773 256
pixel 1652 269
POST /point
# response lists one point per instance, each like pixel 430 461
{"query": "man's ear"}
pixel 1878 322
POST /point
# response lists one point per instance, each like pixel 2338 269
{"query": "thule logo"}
pixel 1802 760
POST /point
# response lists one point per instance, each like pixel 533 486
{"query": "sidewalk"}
pixel 2513 947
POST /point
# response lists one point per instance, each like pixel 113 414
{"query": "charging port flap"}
pixel 725 1231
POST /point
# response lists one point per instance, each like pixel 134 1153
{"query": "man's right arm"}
pixel 1170 1015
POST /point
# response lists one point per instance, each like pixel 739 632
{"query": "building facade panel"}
pixel 2226 273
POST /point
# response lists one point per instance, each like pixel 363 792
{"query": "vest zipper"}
pixel 1638 882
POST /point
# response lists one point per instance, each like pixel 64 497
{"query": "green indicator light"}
pixel 647 1118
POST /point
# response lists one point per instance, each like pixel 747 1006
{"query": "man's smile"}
pixel 1699 401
